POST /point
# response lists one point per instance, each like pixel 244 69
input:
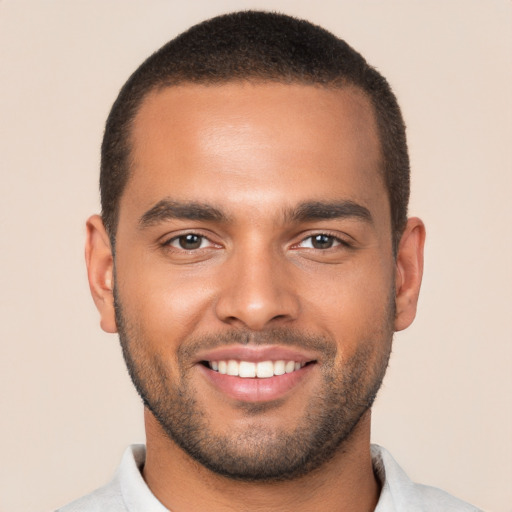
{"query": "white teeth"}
pixel 262 370
pixel 279 368
pixel 232 368
pixel 265 369
pixel 247 369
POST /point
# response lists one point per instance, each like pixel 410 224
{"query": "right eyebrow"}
pixel 168 209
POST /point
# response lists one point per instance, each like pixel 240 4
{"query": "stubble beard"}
pixel 262 454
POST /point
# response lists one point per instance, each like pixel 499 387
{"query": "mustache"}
pixel 274 336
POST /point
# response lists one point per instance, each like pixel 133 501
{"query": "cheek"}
pixel 351 301
pixel 163 303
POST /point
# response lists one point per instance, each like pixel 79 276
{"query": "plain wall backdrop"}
pixel 68 409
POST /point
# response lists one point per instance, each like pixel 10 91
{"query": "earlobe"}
pixel 409 272
pixel 100 269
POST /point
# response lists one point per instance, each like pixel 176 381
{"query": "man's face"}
pixel 254 237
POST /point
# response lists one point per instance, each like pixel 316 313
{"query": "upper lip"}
pixel 256 354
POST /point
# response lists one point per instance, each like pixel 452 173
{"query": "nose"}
pixel 257 291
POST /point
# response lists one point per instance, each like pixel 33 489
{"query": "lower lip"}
pixel 256 390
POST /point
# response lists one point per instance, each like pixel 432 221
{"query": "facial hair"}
pixel 261 454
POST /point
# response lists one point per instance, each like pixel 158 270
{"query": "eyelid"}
pixel 342 240
pixel 174 242
pixel 168 239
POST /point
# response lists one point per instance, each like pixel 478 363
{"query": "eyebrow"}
pixel 167 209
pixel 318 210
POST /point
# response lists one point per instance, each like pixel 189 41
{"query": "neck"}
pixel 344 483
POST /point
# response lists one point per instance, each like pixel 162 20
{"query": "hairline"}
pixel 340 83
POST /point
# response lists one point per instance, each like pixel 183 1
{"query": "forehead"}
pixel 228 143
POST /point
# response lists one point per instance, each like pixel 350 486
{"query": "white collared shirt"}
pixel 128 492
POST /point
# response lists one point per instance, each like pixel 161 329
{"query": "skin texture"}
pixel 256 153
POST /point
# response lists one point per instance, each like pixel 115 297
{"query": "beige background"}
pixel 67 406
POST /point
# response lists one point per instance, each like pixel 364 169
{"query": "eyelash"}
pixel 177 238
pixel 336 240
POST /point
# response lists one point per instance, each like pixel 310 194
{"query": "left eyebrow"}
pixel 167 209
pixel 317 210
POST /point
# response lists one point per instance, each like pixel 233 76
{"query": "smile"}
pixel 256 374
pixel 250 370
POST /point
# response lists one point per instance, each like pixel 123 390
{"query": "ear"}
pixel 100 271
pixel 409 271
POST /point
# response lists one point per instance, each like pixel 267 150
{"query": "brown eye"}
pixel 322 241
pixel 189 242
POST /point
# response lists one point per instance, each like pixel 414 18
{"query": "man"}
pixel 254 255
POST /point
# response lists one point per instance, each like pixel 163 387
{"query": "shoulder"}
pixel 126 487
pixel 400 494
pixel 107 498
pixel 437 499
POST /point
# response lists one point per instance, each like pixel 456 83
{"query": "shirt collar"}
pixel 137 496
